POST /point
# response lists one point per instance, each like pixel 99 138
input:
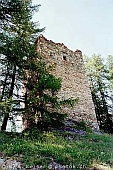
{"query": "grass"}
pixel 37 147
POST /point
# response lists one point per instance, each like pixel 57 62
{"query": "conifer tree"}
pixel 43 107
pixel 17 36
pixel 22 65
pixel 99 84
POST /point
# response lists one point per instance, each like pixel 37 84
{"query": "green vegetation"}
pixel 43 106
pixel 34 147
pixel 17 34
pixel 23 67
pixel 100 75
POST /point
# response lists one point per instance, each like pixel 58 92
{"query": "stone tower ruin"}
pixel 70 67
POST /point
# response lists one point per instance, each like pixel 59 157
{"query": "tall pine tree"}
pixel 17 45
pixel 99 84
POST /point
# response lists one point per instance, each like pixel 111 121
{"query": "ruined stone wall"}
pixel 70 67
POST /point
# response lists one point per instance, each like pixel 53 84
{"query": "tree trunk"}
pixel 4 85
pixel 97 106
pixel 105 108
pixel 6 115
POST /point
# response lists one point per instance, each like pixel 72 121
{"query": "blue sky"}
pixel 79 24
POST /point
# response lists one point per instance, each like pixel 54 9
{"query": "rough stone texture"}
pixel 10 164
pixel 70 67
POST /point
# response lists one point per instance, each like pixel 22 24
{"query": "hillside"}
pixel 68 148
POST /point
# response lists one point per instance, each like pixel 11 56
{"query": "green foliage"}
pixel 70 101
pixel 18 34
pixel 82 125
pixel 6 105
pixel 99 80
pixel 110 68
pixel 52 119
pixel 49 82
pixel 43 103
pixel 40 148
pixel 22 64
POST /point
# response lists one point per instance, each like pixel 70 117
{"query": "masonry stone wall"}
pixel 70 67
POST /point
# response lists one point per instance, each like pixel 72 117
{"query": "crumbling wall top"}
pixel 42 39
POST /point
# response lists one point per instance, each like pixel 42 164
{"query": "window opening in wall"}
pixel 64 58
pixel 51 55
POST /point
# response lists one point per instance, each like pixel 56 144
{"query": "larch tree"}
pixel 109 64
pixel 18 34
pixel 22 65
pixel 43 107
pixel 99 85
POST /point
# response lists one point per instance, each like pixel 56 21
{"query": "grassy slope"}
pixel 39 148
